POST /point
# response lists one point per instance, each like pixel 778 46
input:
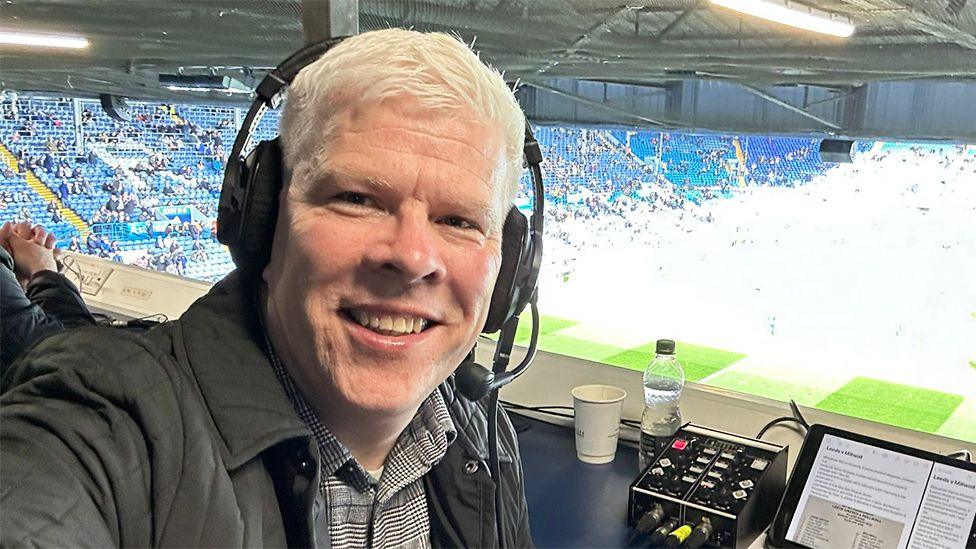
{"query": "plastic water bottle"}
pixel 663 381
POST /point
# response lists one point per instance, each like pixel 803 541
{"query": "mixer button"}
pixel 710 451
pixel 746 483
pixel 739 494
pixel 759 464
pixel 695 469
pixel 721 465
pixel 665 462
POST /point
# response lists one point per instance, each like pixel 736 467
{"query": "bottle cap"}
pixel 665 347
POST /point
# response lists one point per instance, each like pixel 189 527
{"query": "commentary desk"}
pixel 574 504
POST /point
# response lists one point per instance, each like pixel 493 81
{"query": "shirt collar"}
pixel 419 447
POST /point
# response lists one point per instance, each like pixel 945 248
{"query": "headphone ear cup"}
pixel 504 297
pixel 259 213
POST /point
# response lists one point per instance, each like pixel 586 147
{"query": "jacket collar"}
pixel 221 340
pixel 219 337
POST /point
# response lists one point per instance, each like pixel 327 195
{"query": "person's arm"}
pixel 59 298
pixel 50 304
pixel 21 322
pixel 74 459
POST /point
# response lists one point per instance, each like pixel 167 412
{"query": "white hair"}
pixel 436 69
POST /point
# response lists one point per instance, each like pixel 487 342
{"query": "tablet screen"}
pixel 865 497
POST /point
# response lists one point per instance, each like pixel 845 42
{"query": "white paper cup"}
pixel 597 409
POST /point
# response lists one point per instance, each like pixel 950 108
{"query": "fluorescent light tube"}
pixel 42 40
pixel 794 15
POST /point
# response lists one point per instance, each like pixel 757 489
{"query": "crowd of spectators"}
pixel 174 156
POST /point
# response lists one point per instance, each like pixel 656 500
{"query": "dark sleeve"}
pixel 73 454
pixel 59 298
pixel 51 304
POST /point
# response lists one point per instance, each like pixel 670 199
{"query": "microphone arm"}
pixel 474 381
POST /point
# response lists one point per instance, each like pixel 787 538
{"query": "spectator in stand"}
pixel 37 300
pixel 116 252
pixel 93 244
pixel 75 244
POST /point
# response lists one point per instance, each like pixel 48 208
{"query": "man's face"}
pixel 385 254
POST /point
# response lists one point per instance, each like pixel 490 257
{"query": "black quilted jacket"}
pixel 182 437
pixel 51 304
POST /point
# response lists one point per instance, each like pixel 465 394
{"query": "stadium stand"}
pixel 145 191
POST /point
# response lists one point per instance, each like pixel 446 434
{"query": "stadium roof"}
pixel 642 42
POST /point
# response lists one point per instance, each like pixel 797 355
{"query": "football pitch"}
pixel 906 406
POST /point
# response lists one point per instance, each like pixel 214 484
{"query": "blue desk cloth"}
pixel 571 503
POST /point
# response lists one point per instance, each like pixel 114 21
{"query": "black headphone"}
pixel 248 210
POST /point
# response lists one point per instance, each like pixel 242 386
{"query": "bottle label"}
pixel 648 443
pixel 648 450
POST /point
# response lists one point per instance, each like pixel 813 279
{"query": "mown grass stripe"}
pixel 892 403
pixel 697 361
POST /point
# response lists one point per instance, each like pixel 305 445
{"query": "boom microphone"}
pixel 474 381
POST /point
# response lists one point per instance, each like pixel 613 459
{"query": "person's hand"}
pixel 25 230
pixel 32 249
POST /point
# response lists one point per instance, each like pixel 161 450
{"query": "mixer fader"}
pixel 708 488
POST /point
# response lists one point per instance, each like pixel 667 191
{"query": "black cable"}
pixel 798 415
pixel 961 454
pixel 493 461
pixel 548 411
pixel 101 318
pixel 524 407
pixel 533 340
pixel 144 322
pixel 796 418
pixel 777 421
pixel 158 318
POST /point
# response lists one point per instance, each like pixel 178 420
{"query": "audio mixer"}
pixel 707 488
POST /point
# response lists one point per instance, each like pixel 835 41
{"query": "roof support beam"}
pixel 597 104
pixel 673 24
pixel 929 20
pixel 584 38
pixel 788 106
pixel 835 97
pixel 324 19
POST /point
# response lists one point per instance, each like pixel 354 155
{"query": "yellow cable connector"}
pixel 679 535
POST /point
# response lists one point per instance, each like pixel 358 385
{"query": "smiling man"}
pixel 311 404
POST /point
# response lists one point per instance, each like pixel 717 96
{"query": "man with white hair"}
pixel 311 404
